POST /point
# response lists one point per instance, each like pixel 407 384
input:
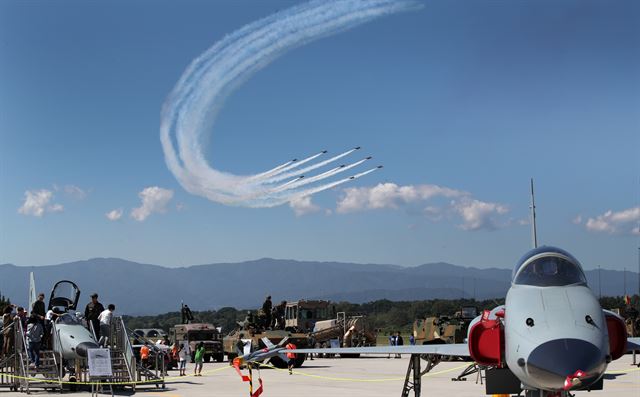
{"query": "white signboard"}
pixel 99 362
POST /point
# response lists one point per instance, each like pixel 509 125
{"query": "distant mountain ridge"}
pixel 141 289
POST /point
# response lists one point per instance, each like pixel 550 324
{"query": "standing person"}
pixel 412 340
pixel 291 356
pixel 91 313
pixel 175 353
pixel 38 308
pixel 199 357
pixel 184 354
pixel 312 344
pixel 7 329
pixel 399 342
pixel 144 355
pixel 266 308
pixel 22 317
pixel 49 319
pixel 392 342
pixel 240 344
pixel 35 331
pixel 105 324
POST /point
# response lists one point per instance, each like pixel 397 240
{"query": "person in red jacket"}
pixel 291 356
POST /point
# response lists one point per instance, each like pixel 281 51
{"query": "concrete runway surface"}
pixel 366 377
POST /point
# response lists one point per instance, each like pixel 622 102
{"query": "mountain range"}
pixel 145 289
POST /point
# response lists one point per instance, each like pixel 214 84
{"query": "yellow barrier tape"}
pixel 337 379
pixel 623 371
pixel 169 379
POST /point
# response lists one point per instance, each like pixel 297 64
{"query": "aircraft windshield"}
pixel 68 319
pixel 548 271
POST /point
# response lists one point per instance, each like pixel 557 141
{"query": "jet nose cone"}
pixel 552 362
pixel 81 349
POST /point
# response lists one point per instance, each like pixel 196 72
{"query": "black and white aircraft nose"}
pixel 81 349
pixel 552 362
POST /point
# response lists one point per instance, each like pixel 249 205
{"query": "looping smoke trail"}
pixel 190 110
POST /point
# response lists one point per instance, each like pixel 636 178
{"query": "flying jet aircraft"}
pixel 550 337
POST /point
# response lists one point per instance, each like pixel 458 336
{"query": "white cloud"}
pixel 577 220
pixel 114 215
pixel 390 195
pixel 303 206
pixel 475 214
pixel 36 203
pixel 624 222
pixel 154 199
pixel 75 192
pixel 478 214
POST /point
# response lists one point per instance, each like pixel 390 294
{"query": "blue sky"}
pixel 461 101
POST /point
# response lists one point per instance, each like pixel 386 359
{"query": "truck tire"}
pixel 299 360
pixel 193 357
pixel 219 357
pixel 278 362
pixel 207 358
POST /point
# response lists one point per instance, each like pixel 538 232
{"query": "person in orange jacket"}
pixel 144 355
pixel 291 356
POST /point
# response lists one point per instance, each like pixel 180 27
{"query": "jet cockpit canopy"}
pixel 65 296
pixel 548 267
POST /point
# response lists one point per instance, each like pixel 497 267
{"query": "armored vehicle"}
pixel 444 329
pixel 252 335
pixel 200 332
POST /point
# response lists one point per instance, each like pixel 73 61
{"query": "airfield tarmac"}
pixel 366 377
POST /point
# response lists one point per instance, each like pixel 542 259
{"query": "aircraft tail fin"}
pixel 268 343
pixel 32 291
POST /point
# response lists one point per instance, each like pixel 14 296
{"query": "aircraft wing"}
pixel 457 349
pixel 633 344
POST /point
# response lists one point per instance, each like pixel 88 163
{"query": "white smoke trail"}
pixel 190 111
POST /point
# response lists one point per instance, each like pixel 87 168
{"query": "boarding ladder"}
pixel 47 376
pixel 155 373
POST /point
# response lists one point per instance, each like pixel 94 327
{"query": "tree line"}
pixel 383 314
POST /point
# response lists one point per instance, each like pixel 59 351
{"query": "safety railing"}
pixel 121 342
pixel 156 372
pixel 20 345
pixel 56 346
pixel 8 362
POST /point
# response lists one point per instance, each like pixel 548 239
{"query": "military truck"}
pixel 444 329
pixel 320 320
pixel 200 332
pixel 255 335
pixel 302 315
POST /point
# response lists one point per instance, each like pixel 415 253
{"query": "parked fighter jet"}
pixel 551 336
pixel 70 336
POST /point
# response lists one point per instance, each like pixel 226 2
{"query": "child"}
pixel 183 354
pixel 199 357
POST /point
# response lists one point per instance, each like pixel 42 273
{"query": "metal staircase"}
pixel 27 376
pixel 126 368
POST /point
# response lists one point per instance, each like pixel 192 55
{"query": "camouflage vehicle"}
pixel 444 329
pixel 255 335
pixel 200 332
pixel 302 315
